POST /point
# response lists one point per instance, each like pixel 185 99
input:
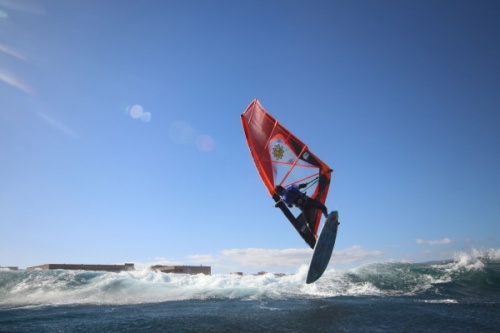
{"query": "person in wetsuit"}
pixel 292 196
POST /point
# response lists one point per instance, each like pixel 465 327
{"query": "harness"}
pixel 292 195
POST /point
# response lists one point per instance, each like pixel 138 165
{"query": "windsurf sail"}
pixel 282 159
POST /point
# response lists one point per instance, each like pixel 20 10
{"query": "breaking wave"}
pixel 467 276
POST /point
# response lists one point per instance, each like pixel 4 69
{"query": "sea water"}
pixel 460 295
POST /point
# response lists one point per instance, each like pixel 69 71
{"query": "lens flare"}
pixel 181 132
pixel 136 111
pixel 146 117
pixel 205 143
pixel 16 83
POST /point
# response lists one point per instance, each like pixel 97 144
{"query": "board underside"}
pixel 324 248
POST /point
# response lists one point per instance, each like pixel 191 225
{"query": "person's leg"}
pixel 319 205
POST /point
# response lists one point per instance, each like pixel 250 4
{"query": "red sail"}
pixel 282 159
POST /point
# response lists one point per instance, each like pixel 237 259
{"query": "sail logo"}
pixel 278 151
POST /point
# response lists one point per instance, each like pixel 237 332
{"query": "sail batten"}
pixel 283 159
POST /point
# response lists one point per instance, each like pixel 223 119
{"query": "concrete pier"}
pixel 10 268
pixel 83 267
pixel 193 270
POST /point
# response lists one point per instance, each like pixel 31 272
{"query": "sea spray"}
pixel 470 275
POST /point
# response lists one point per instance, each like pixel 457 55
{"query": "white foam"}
pixel 143 286
pixel 22 288
pixel 441 301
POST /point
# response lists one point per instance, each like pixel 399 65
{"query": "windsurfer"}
pixel 292 195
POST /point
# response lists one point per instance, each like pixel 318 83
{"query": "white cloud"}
pixel 355 254
pixel 259 259
pixel 157 261
pixel 268 257
pixel 293 257
pixel 203 258
pixel 443 241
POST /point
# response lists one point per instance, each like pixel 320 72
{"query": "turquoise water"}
pixel 462 295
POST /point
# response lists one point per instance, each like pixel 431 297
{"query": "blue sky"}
pixel 121 139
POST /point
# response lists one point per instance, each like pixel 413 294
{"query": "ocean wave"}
pixel 474 274
pixel 468 275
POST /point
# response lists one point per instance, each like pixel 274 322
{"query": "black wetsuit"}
pixel 293 196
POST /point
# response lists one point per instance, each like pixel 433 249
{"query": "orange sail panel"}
pixel 282 159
